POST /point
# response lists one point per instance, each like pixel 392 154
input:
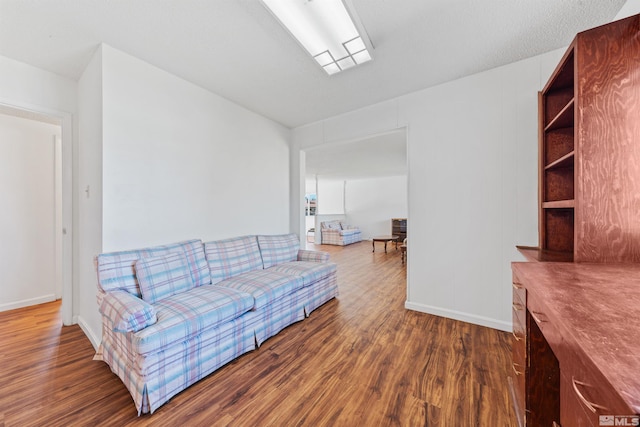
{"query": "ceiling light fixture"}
pixel 325 29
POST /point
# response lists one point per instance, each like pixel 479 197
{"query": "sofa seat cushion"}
pixel 265 286
pixel 188 314
pixel 309 271
pixel 350 232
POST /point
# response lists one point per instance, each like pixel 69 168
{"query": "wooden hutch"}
pixel 576 304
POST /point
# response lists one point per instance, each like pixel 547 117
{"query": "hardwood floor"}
pixel 359 360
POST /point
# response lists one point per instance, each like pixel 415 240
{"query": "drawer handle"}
pixel 517 306
pixel 592 406
pixel 555 424
pixel 515 336
pixel 535 315
pixel 517 285
pixel 513 366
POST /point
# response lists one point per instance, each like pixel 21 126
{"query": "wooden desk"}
pixel 576 349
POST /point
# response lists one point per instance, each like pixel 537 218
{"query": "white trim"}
pixel 407 265
pixel 95 342
pixel 66 241
pixel 57 183
pixel 458 315
pixel 27 302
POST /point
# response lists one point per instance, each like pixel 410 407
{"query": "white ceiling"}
pixel 236 49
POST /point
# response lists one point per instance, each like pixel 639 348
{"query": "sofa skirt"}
pixel 197 359
pixel 155 378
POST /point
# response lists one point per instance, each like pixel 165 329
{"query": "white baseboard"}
pixel 27 302
pixel 87 331
pixel 458 315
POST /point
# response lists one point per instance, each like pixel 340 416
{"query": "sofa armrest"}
pixel 316 256
pixel 127 312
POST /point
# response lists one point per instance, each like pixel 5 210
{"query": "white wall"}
pixel 181 162
pixel 165 161
pixel 631 7
pixel 89 194
pixel 371 203
pixel 472 182
pixel 330 196
pixel 25 85
pixel 27 219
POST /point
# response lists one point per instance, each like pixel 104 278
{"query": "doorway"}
pixel 35 222
pixel 367 177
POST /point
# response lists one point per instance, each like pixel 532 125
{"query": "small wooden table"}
pixel 385 239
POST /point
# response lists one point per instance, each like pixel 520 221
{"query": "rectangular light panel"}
pixel 325 29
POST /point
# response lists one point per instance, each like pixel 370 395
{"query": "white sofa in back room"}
pixel 339 233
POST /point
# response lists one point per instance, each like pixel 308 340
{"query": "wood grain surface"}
pixel 543 381
pixel 608 108
pixel 360 360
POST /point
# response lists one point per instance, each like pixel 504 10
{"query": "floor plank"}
pixel 360 360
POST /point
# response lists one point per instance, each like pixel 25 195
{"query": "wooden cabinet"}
pixel 589 149
pixel 535 383
pixel 399 228
pixel 581 343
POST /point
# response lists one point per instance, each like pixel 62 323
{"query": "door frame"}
pixel 63 199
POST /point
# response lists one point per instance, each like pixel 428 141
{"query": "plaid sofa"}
pixel 173 314
pixel 338 233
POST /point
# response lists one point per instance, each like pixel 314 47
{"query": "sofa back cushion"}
pixel 331 225
pixel 278 249
pixel 162 276
pixel 230 257
pixel 116 269
pixel 196 260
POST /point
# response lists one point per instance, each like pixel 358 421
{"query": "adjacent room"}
pixel 269 213
pixel 361 183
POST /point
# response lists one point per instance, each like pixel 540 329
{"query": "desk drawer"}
pixel 519 349
pixel 519 373
pixel 585 387
pixel 519 291
pixel 539 314
pixel 519 316
pixel 572 412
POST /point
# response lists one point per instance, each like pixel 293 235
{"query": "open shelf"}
pixel 558 143
pixel 557 168
pixel 565 161
pixel 559 230
pixel 541 255
pixel 563 75
pixel 563 119
pixel 559 204
pixel 556 102
pixel 558 184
